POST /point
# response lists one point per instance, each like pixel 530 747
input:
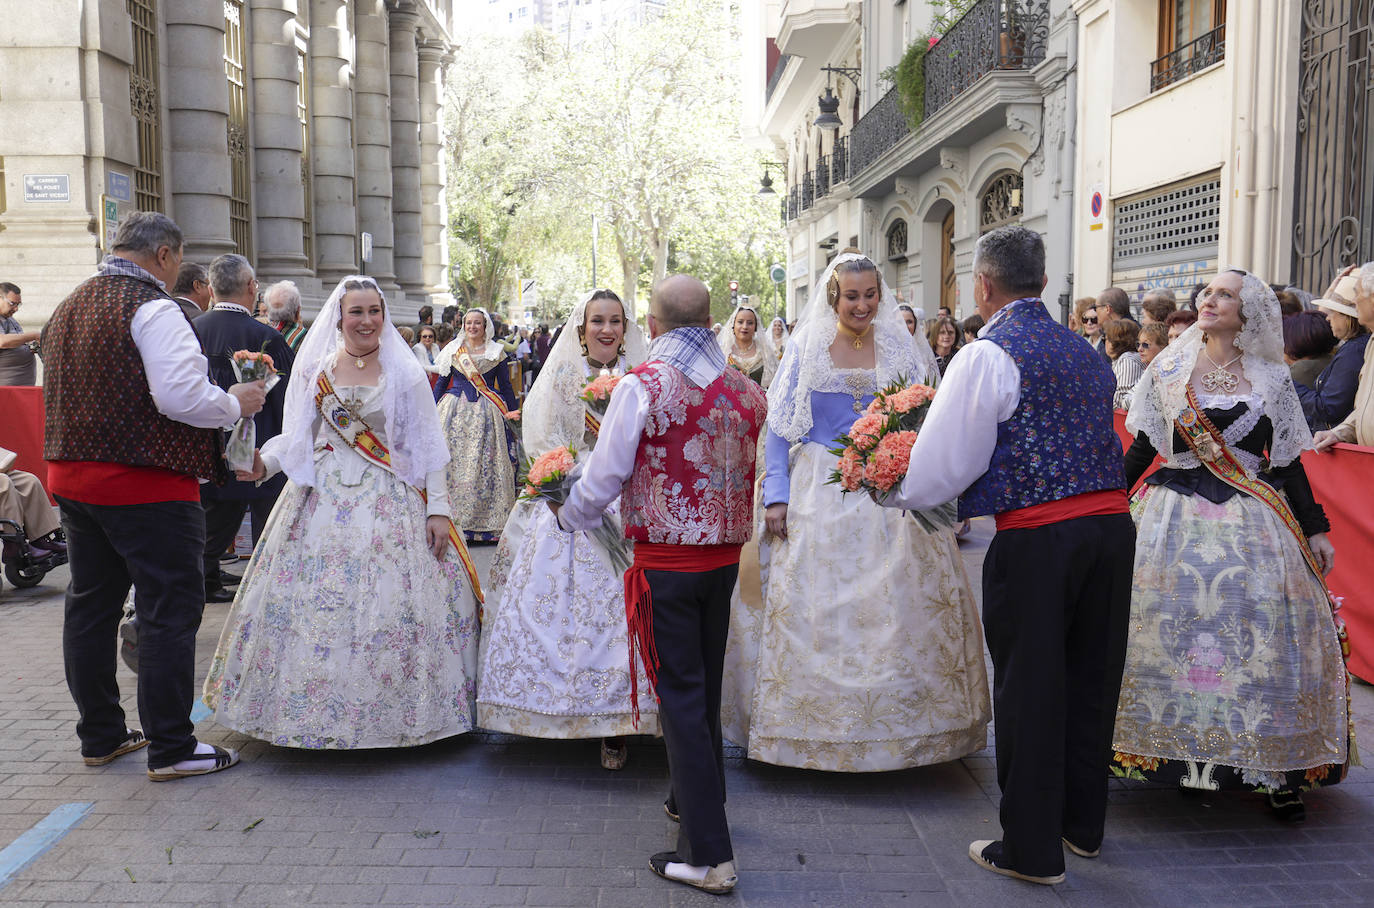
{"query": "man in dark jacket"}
pixel 227 327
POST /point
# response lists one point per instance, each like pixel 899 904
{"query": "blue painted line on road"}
pixel 46 833
pixel 200 711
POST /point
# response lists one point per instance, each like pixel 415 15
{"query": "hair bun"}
pixel 851 250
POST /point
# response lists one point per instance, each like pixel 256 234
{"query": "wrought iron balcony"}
pixel 1192 57
pixel 808 190
pixel 839 161
pixel 993 35
pixel 822 180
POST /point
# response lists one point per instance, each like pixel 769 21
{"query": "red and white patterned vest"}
pixel 693 482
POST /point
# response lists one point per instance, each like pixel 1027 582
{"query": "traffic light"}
pixel 734 291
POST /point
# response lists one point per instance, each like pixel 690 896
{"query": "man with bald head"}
pixel 678 446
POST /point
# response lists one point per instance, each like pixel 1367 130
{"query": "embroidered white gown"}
pixel 864 652
pixel 554 653
pixel 346 632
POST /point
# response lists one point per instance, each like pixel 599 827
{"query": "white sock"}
pixel 191 762
pixel 686 871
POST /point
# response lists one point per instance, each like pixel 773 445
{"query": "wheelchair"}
pixel 25 566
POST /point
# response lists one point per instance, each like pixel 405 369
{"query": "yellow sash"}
pixel 472 374
pixel 355 433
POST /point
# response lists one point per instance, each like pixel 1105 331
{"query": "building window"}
pixel 1000 203
pixel 144 104
pixel 241 178
pixel 1176 225
pixel 307 189
pixel 896 240
pixel 1192 36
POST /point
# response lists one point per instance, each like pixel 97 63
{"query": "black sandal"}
pixel 222 759
pixel 135 741
pixel 1287 806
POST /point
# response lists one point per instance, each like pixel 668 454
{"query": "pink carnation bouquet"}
pixel 597 392
pixel 248 365
pixel 550 477
pixel 875 452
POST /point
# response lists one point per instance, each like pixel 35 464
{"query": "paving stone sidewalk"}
pixel 487 820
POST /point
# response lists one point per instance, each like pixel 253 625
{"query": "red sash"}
pixel 355 433
pixel 639 602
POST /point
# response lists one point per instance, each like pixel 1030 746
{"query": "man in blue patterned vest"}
pixel 1022 429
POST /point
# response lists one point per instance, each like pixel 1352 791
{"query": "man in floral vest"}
pixel 679 438
pixel 1022 429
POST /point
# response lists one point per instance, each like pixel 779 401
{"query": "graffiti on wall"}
pixel 1180 278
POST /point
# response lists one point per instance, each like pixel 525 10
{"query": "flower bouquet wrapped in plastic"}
pixel 876 451
pixel 249 366
pixel 550 477
pixel 597 392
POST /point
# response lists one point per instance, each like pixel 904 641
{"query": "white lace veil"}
pixel 1161 391
pixel 412 421
pixel 806 362
pixel 552 414
pixel 778 346
pixel 763 344
pixel 443 361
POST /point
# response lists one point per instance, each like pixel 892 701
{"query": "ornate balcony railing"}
pixel 839 161
pixel 878 130
pixel 993 35
pixel 1192 57
pixel 808 190
pixel 822 180
pixel 793 203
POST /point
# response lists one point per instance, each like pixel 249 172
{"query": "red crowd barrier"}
pixel 1340 480
pixel 21 428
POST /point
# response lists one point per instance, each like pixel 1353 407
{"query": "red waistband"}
pixel 690 559
pixel 99 482
pixel 1089 504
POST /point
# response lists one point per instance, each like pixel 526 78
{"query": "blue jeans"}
pixel 158 549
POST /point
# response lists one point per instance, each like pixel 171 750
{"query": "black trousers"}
pixel 157 548
pixel 691 623
pixel 223 517
pixel 1056 604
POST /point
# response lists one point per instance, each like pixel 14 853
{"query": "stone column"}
pixel 197 125
pixel 372 121
pixel 277 184
pixel 405 146
pixel 331 123
pixel 434 58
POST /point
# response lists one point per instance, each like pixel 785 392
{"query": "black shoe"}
pixel 1287 806
pixel 219 594
pixel 228 579
pixel 668 809
pixel 988 855
pixel 720 879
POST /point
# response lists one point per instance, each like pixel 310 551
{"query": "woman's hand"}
pixel 775 519
pixel 258 472
pixel 1324 552
pixel 436 535
pixel 1324 440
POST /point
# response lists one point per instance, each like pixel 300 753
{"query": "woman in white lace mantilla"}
pixel 747 348
pixel 858 647
pixel 476 403
pixel 356 622
pixel 555 660
pixel 1233 670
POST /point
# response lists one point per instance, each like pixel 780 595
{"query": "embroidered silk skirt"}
pixel 481 473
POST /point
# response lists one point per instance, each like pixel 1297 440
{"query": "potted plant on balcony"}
pixel 909 75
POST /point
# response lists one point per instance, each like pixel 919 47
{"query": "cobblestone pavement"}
pixel 489 820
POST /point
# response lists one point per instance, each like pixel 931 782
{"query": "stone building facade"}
pixel 280 129
pixel 995 144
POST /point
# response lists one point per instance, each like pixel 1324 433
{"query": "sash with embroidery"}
pixel 1206 441
pixel 474 375
pixel 356 433
pixel 590 420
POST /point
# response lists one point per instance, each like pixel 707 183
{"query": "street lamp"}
pixel 766 184
pixel 829 103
